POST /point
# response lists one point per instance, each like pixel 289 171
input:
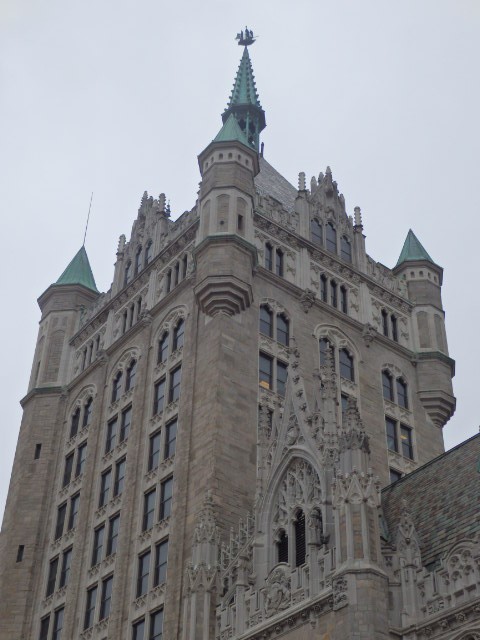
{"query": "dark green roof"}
pixel 244 89
pixel 79 272
pixel 231 131
pixel 413 250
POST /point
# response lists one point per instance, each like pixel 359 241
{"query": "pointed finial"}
pixel 313 184
pixel 245 39
pixel 328 171
pixel 301 181
pixel 358 217
pixel 121 243
pixel 161 202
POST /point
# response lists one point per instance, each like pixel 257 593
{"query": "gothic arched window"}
pixel 346 365
pixel 316 232
pixel 282 547
pixel 75 422
pixel 87 412
pixel 387 384
pixel 128 274
pixel 331 237
pixel 116 386
pixel 300 540
pixel 266 321
pixel 282 330
pixel 131 373
pixel 138 260
pixel 345 249
pixel 178 335
pixel 163 348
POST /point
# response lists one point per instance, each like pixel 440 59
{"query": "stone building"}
pixel 242 438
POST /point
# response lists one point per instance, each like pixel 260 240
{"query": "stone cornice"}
pixel 41 391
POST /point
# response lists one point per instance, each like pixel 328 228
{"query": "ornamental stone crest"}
pixel 277 593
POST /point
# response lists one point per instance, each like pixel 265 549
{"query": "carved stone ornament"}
pixel 340 596
pixel 369 332
pixel 277 593
pixel 307 299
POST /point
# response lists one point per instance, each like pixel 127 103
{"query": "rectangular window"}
pixel 81 458
pixel 119 477
pixel 138 630
pixel 105 484
pixel 90 608
pixel 75 423
pixel 392 440
pixel 394 328
pixel 394 475
pixel 265 371
pixel 343 300
pixel 74 506
pixel 106 599
pixel 166 493
pixel 156 626
pixel 268 257
pixel 323 288
pixel 154 451
pixel 143 573
pixel 61 515
pixel 38 449
pixel 148 509
pixel 282 373
pixel 112 428
pixel 66 567
pixel 174 388
pixel 159 396
pixel 402 397
pixel 112 540
pixel 125 425
pixel 58 624
pixel 161 556
pixel 333 294
pixel 344 404
pixel 163 349
pixel 407 444
pixel 97 550
pixel 44 626
pixel 170 439
pixel 67 472
pixel 279 263
pixel 52 577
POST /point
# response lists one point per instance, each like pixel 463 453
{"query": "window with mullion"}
pixel 163 348
pixel 323 288
pixel 61 516
pixel 331 238
pixel 112 429
pixel 106 598
pixel 87 412
pixel 159 396
pixel 282 547
pixel 143 574
pixel 343 299
pixel 90 607
pixel 166 497
pixel 125 424
pixel 406 440
pixel 52 577
pixel 170 439
pixel 138 630
pixel 178 335
pixel 131 373
pixel 44 627
pixel 402 395
pixel 300 539
pixel 119 477
pixel 394 328
pixel 333 294
pixel 282 330
pixel 345 249
pixel 81 458
pixel 58 624
pixel 149 500
pixel 66 568
pixel 161 557
pixel 73 515
pixel 174 385
pixel 392 438
pixel 346 365
pixel 75 423
pixel 316 232
pixel 156 626
pixel 279 262
pixel 269 257
pixel 98 540
pixel 116 386
pixel 105 484
pixel 266 321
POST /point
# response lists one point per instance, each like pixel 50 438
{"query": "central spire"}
pixel 244 103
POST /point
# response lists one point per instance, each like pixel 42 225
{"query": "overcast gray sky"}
pixel 116 97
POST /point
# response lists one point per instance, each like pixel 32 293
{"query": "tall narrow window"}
pixel 139 308
pixel 105 484
pixel 265 372
pixel 61 516
pixel 44 627
pixel 385 322
pixel 106 598
pixel 66 568
pixel 112 430
pixel 394 328
pixel 345 249
pixel 282 372
pixel 402 394
pixel 346 365
pixel 324 345
pixel 75 423
pixel 394 475
pixel 331 237
pixel 169 280
pixel 323 288
pixel 81 459
pixel 279 262
pixel 87 412
pixel 391 428
pixel 184 266
pixel 131 314
pixel 170 439
pixel 387 384
pixel 138 260
pixel 160 569
pixel 178 334
pixel 282 547
pixel 97 550
pixel 344 406
pixel 125 321
pixel 148 509
pixel 58 624
pixel 333 294
pixel 177 273
pixel 131 373
pixel 155 631
pixel 266 321
pixel 90 608
pixel 67 471
pixel 166 493
pixel 269 257
pixel 406 439
pixel 163 348
pixel 73 515
pixel 282 330
pixel 343 299
pixel 148 252
pixel 316 235
pixel 154 451
pixel 125 424
pixel 159 396
pixel 119 477
pixel 52 577
pixel 112 539
pixel 143 574
pixel 174 386
pixel 300 541
pixel 128 274
pixel 138 630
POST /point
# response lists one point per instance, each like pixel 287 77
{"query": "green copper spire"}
pixel 79 272
pixel 231 131
pixel 244 103
pixel 412 250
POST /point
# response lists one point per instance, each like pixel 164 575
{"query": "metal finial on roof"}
pixel 245 38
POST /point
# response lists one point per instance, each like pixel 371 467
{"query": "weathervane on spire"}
pixel 245 38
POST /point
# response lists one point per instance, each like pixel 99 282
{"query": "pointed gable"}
pixel 79 272
pixel 412 250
